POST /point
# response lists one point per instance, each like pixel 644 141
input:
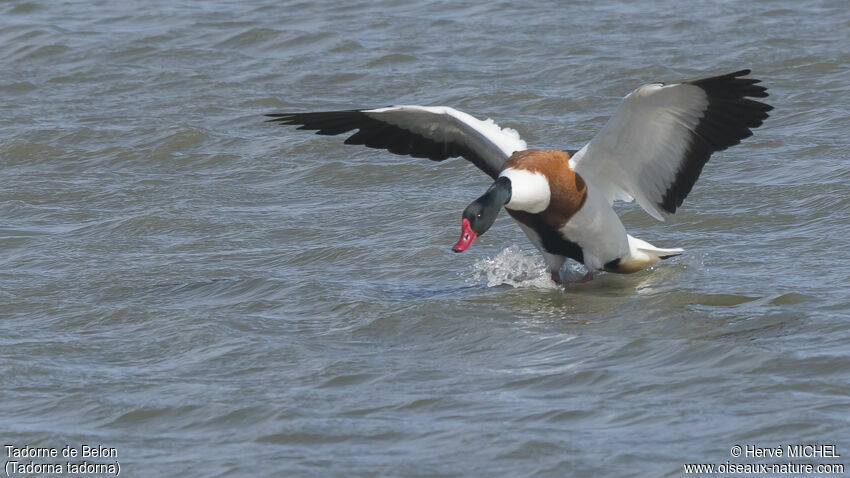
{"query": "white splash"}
pixel 515 268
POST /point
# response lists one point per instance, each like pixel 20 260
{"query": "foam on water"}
pixel 514 267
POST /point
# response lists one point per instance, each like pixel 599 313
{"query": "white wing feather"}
pixel 434 132
pixel 448 125
pixel 638 152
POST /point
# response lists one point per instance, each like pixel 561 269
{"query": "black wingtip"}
pixel 734 74
pixel 730 116
pixel 278 117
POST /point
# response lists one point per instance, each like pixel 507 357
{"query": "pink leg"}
pixel 587 278
pixel 556 276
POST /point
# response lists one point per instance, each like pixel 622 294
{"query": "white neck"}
pixel 529 191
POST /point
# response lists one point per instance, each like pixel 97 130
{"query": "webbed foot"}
pixel 586 278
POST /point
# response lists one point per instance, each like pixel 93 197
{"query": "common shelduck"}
pixel 652 150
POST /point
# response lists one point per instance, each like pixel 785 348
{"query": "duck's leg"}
pixel 554 262
pixel 556 276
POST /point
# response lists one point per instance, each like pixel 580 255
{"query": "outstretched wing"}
pixel 656 144
pixel 436 133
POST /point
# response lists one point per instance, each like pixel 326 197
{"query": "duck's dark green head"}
pixel 481 213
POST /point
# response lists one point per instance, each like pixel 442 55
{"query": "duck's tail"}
pixel 641 255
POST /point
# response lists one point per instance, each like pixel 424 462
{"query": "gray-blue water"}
pixel 213 295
